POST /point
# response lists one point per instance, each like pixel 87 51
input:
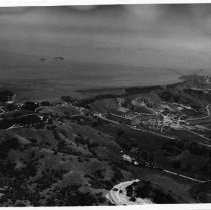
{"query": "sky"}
pixel 164 36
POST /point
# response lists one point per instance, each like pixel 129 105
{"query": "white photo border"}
pixel 23 3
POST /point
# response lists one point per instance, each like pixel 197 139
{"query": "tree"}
pixel 120 133
pixel 45 103
pixel 197 149
pixel 6 95
pixel 176 164
pixel 29 105
pixel 68 99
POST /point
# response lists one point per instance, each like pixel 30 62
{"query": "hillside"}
pixel 72 152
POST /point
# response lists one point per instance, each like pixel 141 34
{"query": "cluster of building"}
pixel 160 117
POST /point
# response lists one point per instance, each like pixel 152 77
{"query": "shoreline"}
pixel 54 91
pixel 40 93
pixel 113 88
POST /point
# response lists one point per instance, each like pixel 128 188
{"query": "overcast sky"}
pixel 166 36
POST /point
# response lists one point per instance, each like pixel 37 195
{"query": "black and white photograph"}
pixel 105 105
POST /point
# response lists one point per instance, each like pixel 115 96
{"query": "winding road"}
pixel 118 196
pixel 208 107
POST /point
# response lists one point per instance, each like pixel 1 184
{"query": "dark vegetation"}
pixel 71 196
pixel 6 96
pixel 177 147
pixel 68 99
pixel 144 189
pixel 191 157
pixel 29 105
pixel 139 90
pixel 85 102
pixel 201 192
pixel 199 94
pixel 180 97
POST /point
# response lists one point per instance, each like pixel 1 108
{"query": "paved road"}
pixel 14 127
pixel 195 133
pixel 118 195
pixel 106 119
pixel 186 177
pixel 154 133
